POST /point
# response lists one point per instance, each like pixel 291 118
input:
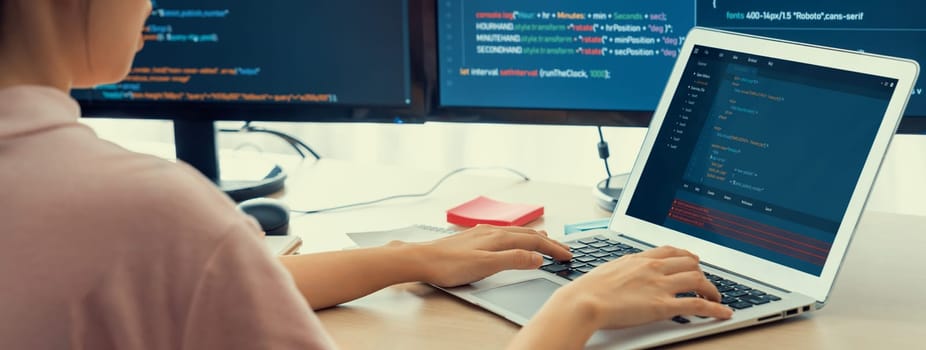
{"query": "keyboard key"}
pixel 599 244
pixel 724 289
pixel 586 259
pixel 554 268
pixel 570 274
pixel 680 319
pixel 728 301
pixel 736 293
pixel 575 245
pixel 585 269
pixel 772 297
pixel 597 263
pixel 601 238
pixel 756 300
pixel 588 241
pixel 600 254
pixel 741 305
pixel 576 265
pixel 588 250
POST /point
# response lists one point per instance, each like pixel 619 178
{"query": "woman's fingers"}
pixel 666 252
pixel 673 265
pixel 698 306
pixel 532 242
pixel 693 281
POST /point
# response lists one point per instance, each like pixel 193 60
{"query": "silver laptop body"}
pixel 760 157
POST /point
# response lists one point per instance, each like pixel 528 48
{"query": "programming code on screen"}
pixel 889 27
pixel 617 55
pixel 318 52
pixel 559 54
pixel 761 155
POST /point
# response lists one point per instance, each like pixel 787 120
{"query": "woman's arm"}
pixel 331 278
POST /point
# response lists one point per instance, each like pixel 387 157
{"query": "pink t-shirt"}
pixel 102 248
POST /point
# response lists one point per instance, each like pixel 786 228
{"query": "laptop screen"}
pixel 761 155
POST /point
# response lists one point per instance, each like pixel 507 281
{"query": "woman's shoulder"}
pixel 167 197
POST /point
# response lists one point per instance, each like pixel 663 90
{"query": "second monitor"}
pixel 265 61
pixel 606 62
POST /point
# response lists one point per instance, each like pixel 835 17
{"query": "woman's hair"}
pixel 2 7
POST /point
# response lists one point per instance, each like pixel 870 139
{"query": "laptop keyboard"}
pixel 590 252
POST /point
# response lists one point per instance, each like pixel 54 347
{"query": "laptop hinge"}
pixel 636 240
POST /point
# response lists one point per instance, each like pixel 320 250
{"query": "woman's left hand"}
pixel 484 250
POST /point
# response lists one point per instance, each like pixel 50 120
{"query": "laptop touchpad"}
pixel 522 298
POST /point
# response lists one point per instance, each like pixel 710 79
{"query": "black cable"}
pixel 603 151
pixel 414 195
pixel 291 140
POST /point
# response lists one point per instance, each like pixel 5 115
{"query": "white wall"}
pixel 564 154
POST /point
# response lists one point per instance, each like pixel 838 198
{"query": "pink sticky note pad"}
pixel 483 210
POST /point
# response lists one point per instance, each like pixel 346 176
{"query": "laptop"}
pixel 759 158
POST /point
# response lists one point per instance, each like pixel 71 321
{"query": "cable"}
pixel 603 151
pixel 414 195
pixel 292 141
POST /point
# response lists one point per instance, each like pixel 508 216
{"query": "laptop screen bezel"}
pixel 818 287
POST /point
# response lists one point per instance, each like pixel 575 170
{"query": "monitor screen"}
pixel 559 54
pixel 617 55
pixel 268 60
pixel 268 53
pixel 574 55
pixel 888 27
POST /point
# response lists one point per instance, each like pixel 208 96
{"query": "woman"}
pixel 102 248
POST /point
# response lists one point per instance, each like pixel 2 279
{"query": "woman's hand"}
pixel 633 290
pixel 484 250
pixel 641 288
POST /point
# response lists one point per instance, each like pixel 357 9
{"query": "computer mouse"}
pixel 271 214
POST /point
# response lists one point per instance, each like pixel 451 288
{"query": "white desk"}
pixel 878 301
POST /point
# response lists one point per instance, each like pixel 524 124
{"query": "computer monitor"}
pixel 268 60
pixel 606 62
pixel 556 62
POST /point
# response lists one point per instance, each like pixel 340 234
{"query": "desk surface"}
pixel 877 301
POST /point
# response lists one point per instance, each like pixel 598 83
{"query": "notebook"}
pixel 759 158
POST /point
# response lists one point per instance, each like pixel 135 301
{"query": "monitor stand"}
pixel 609 191
pixel 195 142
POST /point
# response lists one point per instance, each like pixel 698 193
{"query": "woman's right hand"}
pixel 641 288
pixel 633 290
